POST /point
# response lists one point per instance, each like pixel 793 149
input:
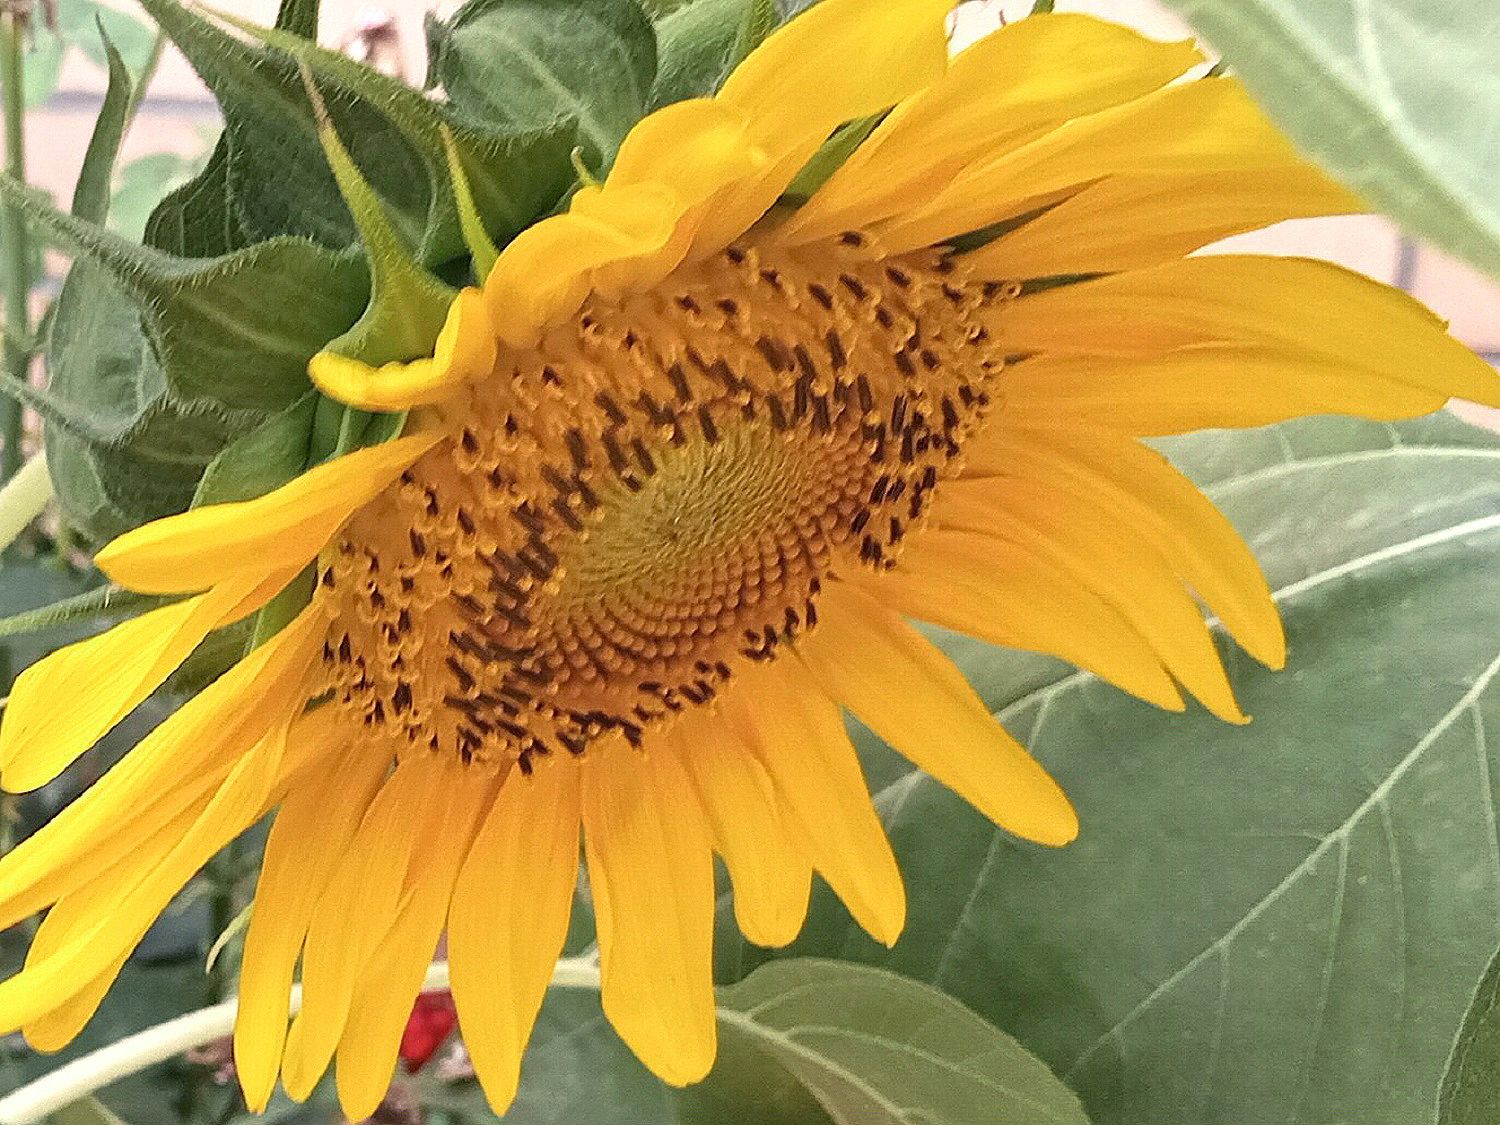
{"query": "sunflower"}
pixel 675 481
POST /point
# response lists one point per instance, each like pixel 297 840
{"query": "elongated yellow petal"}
pixel 1002 593
pixel 94 949
pixel 799 737
pixel 310 834
pixel 1195 127
pixel 836 61
pixel 1202 387
pixel 772 876
pixel 174 765
pixel 1104 551
pixel 1024 79
pixel 651 868
pixel 360 904
pixel 390 982
pixel 64 703
pixel 1295 306
pixel 860 649
pixel 282 530
pixel 510 918
pixel 1119 474
pixel 464 351
pixel 1125 222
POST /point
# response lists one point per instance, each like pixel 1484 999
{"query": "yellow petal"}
pixel 1024 79
pixel 799 738
pixel 1114 472
pixel 64 703
pixel 546 272
pixel 510 918
pixel 910 694
pixel 1006 595
pixel 1297 306
pixel 772 877
pixel 391 980
pixel 1210 385
pixel 360 904
pixel 651 869
pixel 464 352
pixel 839 60
pixel 174 765
pixel 1195 127
pixel 1125 222
pixel 309 835
pixel 282 530
pixel 1103 550
pixel 93 949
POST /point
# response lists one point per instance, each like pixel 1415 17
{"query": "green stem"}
pixel 17 248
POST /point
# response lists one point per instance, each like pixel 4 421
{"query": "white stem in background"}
pixel 82 1077
pixel 23 497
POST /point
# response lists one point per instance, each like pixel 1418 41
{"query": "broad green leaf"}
pixel 695 43
pixel 1471 1084
pixel 1397 98
pixel 263 459
pixel 529 64
pixel 1281 922
pixel 870 1048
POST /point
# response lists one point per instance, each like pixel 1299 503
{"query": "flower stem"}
pixel 82 1077
pixel 22 498
pixel 17 247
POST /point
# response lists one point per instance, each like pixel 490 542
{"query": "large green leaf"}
pixel 1396 97
pixel 532 63
pixel 1282 922
pixel 1471 1085
pixel 869 1048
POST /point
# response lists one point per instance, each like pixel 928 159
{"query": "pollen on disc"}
pixel 655 495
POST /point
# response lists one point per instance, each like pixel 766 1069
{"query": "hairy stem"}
pixel 17 261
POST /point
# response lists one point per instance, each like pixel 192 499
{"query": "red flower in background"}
pixel 433 1018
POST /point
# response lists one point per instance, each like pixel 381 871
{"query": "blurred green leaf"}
pixel 694 45
pixel 1282 922
pixel 1471 1084
pixel 42 65
pixel 529 64
pixel 1397 98
pixel 76 20
pixel 870 1048
pixel 141 185
pixel 87 1111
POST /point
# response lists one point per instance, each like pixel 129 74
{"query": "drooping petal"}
pixel 510 918
pixel 282 530
pixel 651 869
pixel 799 738
pixel 1101 549
pixel 1126 222
pixel 1002 593
pixel 860 649
pixel 1201 387
pixel 1026 78
pixel 310 834
pixel 64 703
pixel 177 763
pixel 1199 543
pixel 360 904
pixel 390 982
pixel 771 874
pixel 464 352
pixel 1194 127
pixel 1297 307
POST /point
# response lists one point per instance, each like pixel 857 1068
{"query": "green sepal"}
pixel 694 48
pixel 482 252
pixel 102 603
pixel 91 192
pixel 761 17
pixel 263 459
pixel 407 304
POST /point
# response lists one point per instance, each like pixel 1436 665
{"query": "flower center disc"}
pixel 655 493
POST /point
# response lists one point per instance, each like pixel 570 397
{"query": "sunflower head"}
pixel 868 336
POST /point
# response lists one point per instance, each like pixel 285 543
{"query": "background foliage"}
pixel 1291 922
